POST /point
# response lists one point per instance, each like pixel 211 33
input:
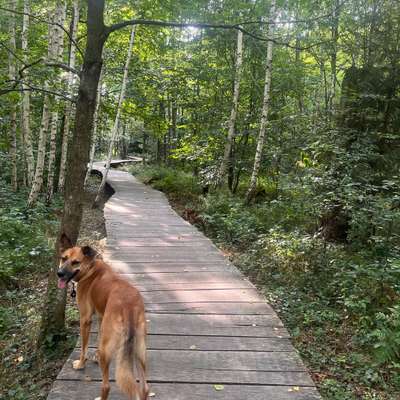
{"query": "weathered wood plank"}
pixel 66 390
pixel 284 368
pixel 227 308
pixel 214 325
pixel 213 343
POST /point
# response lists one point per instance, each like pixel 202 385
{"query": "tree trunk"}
pixel 54 311
pixel 44 126
pixel 114 132
pixel 25 105
pixel 59 47
pixel 68 105
pixel 334 35
pixel 13 113
pixel 94 134
pixel 228 151
pixel 265 107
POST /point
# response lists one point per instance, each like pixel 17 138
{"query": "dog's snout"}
pixel 60 274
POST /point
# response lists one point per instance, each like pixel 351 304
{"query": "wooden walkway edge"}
pixel 211 335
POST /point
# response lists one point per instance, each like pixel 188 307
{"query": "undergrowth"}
pixel 339 300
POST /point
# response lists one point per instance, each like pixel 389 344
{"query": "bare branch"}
pixel 64 67
pixel 31 88
pixel 172 24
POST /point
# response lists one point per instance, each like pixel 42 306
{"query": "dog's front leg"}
pixel 85 324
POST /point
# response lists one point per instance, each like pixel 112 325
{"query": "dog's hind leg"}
pixel 104 355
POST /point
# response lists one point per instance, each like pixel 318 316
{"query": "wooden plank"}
pixel 210 343
pixel 214 325
pixel 129 267
pixel 182 366
pixel 227 308
pixel 67 390
pixel 174 240
pixel 187 277
pixel 185 296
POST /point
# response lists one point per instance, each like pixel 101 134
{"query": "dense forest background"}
pixel 273 126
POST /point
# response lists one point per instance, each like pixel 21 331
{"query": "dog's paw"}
pixel 78 364
pixel 95 357
pixel 97 398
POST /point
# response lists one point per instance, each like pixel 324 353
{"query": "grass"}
pixel 340 303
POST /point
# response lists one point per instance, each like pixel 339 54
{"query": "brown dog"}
pixel 120 309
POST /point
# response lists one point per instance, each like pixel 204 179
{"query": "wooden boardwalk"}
pixel 211 335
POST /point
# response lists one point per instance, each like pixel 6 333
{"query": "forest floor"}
pixel 288 267
pixel 27 374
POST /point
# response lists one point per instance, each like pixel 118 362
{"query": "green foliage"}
pixel 24 235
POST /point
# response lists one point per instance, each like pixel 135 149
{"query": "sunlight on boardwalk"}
pixel 211 335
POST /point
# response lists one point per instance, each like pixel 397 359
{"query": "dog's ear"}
pixel 65 242
pixel 89 251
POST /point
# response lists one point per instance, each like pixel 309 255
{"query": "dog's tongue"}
pixel 61 284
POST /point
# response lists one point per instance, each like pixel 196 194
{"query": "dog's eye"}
pixel 75 262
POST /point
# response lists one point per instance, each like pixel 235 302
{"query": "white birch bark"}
pixel 68 105
pixel 114 132
pixel 13 107
pixel 44 126
pixel 58 48
pixel 25 105
pixel 95 126
pixel 265 106
pixel 232 120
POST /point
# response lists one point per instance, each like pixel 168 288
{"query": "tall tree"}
pixel 13 113
pixel 53 317
pixel 25 104
pixel 114 132
pixel 44 126
pixel 70 86
pixel 265 106
pixel 59 47
pixel 95 127
pixel 227 158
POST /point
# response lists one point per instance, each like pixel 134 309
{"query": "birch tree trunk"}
pixel 94 134
pixel 265 107
pixel 334 35
pixel 25 105
pixel 114 132
pixel 226 161
pixel 44 126
pixel 58 47
pixel 68 105
pixel 13 111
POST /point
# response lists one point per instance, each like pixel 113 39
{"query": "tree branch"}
pixel 31 88
pixel 38 18
pixel 64 67
pixel 123 24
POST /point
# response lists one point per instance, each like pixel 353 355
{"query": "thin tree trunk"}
pixel 226 161
pixel 13 113
pixel 335 35
pixel 44 126
pixel 25 106
pixel 59 47
pixel 68 105
pixel 265 107
pixel 53 316
pixel 114 132
pixel 94 134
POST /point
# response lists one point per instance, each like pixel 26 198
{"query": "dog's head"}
pixel 75 261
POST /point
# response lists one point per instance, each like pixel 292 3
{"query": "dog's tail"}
pixel 131 354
